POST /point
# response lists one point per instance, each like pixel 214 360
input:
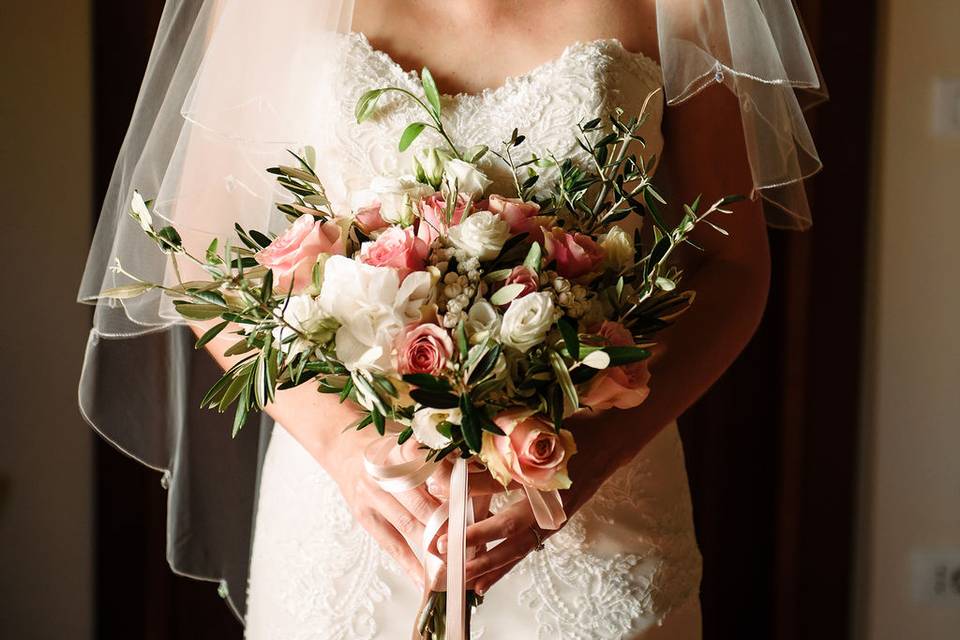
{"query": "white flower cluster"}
pixel 458 288
pixel 372 306
pixel 572 298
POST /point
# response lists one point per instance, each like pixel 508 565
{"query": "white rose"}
pixel 483 321
pixel 372 307
pixel 619 248
pixel 527 321
pixel 465 178
pixel 303 314
pixel 397 198
pixel 481 235
pixel 424 425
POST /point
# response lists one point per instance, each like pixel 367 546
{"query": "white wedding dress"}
pixel 626 566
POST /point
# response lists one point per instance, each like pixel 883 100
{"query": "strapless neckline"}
pixel 579 46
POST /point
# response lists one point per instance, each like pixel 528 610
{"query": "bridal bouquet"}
pixel 472 322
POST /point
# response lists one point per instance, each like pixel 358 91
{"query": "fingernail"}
pixel 481 590
pixel 442 544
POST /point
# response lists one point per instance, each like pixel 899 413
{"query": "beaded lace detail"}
pixel 626 559
pixel 545 104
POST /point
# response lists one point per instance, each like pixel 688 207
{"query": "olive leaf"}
pixel 126 291
pixel 563 378
pixel 430 90
pixel 210 334
pixel 506 294
pixel 367 104
pixel 410 134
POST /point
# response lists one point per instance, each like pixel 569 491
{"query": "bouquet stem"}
pixel 433 621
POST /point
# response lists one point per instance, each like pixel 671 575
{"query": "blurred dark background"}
pixel 784 453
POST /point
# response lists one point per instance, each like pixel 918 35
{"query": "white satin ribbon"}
pixel 458 513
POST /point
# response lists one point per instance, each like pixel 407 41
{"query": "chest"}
pixel 472 44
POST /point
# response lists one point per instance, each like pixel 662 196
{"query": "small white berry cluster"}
pixel 458 287
pixel 570 297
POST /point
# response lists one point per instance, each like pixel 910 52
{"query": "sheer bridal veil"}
pixel 228 88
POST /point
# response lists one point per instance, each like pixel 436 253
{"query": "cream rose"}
pixel 465 178
pixel 531 451
pixel 527 321
pixel 481 235
pixel 618 245
pixel 397 198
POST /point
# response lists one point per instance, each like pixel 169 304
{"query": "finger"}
pixel 419 503
pixel 396 514
pixel 394 545
pixel 487 580
pixel 509 551
pixel 512 521
pixel 481 483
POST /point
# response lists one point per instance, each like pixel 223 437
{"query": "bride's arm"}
pixel 731 278
pixel 317 421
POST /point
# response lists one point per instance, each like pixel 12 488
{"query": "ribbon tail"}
pixel 547 508
pixel 460 507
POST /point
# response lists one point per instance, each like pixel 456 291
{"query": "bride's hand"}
pixel 396 521
pixel 602 450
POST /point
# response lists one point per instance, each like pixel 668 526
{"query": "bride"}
pixel 305 543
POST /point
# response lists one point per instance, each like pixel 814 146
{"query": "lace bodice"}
pixel 545 104
pixel 622 563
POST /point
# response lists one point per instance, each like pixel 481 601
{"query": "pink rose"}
pixel 615 334
pixel 521 216
pixel 531 452
pixel 369 219
pixel 623 387
pixel 576 254
pixel 425 348
pixel 433 217
pixel 397 248
pixel 524 276
pixel 293 253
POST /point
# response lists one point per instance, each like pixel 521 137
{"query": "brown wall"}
pixel 45 195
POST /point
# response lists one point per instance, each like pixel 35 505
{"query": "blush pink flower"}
pixel 615 334
pixel 425 348
pixel 524 276
pixel 293 253
pixel 523 217
pixel 531 452
pixel 623 387
pixel 433 217
pixel 576 254
pixel 369 219
pixel 397 248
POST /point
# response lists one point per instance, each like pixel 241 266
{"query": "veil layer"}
pixel 229 87
pixel 759 50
